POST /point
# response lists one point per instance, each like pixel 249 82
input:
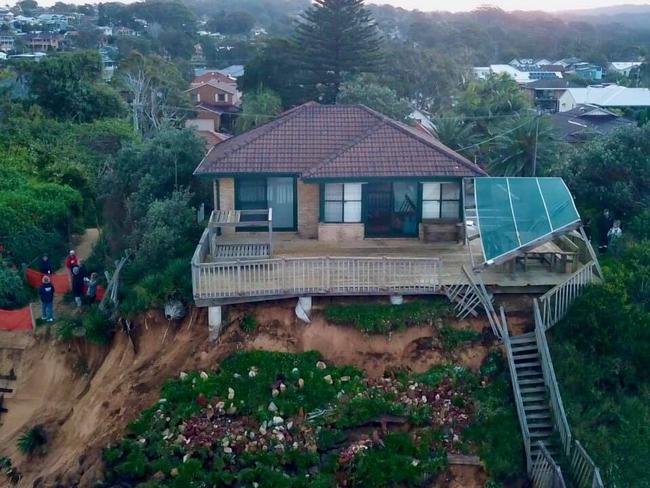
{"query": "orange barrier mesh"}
pixel 61 281
pixel 16 319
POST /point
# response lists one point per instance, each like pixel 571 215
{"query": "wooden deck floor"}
pixel 453 256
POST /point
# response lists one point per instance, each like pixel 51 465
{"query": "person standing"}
pixel 70 262
pixel 91 288
pixel 45 265
pixel 605 223
pixel 613 236
pixel 77 285
pixel 46 293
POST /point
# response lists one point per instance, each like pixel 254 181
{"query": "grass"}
pixel 452 338
pixel 32 441
pixel 93 325
pixel 7 468
pixel 181 439
pixel 249 324
pixel 377 318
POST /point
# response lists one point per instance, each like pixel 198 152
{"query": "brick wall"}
pixel 227 199
pixel 308 210
pixel 340 232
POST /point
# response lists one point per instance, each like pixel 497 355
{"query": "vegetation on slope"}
pixel 276 419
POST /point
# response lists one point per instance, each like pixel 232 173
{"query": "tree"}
pixel 231 23
pixel 365 90
pixel 335 38
pixel 156 89
pixel 28 6
pixel 257 108
pixel 613 172
pixel 274 67
pixel 522 147
pixel 70 86
pixel 454 132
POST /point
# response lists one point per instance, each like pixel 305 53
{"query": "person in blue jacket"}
pixel 46 292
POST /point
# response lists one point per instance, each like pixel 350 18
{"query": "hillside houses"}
pixel 586 122
pixel 606 96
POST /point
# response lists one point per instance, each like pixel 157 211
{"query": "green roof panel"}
pixel 517 212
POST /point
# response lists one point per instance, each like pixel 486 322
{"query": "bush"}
pixel 376 318
pixel 249 324
pixel 94 325
pixel 13 291
pixel 32 440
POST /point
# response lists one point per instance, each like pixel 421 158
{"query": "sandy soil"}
pixel 86 395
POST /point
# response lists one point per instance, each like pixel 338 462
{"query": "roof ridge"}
pixel 345 148
pixel 435 145
pixel 262 130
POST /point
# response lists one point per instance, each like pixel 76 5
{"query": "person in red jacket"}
pixel 70 262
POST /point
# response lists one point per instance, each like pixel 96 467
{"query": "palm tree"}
pixel 522 147
pixel 456 134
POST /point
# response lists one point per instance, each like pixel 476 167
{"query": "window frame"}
pixel 440 201
pixel 342 201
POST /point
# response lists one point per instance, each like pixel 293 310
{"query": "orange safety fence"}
pixel 60 281
pixel 17 319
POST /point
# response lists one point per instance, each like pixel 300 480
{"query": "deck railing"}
pixel 585 473
pixel 545 472
pixel 287 277
pixel 556 302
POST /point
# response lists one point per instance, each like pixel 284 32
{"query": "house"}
pixel 205 129
pixel 606 95
pixel 519 75
pixel 3 56
pixel 217 98
pixel 7 43
pixel 44 41
pixel 623 68
pixel 586 122
pixel 586 71
pixel 545 94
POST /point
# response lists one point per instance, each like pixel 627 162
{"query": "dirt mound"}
pixel 86 395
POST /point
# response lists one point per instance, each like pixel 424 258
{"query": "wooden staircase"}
pixel 530 380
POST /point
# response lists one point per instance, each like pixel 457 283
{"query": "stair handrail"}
pixel 550 380
pixel 555 303
pixel 585 472
pixel 519 402
pixel 484 296
pixel 546 473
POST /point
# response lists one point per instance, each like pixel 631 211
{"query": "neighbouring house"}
pixel 546 94
pixel 7 43
pixel 341 200
pixel 586 71
pixel 3 55
pixel 44 42
pixel 623 68
pixel 586 122
pixel 606 95
pixel 205 129
pixel 217 99
pixel 519 75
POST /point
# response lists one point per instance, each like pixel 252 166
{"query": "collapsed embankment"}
pixel 84 396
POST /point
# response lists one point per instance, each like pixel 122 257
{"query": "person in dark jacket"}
pixel 77 285
pixel 46 292
pixel 45 265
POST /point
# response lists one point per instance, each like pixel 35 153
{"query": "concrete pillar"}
pixel 303 309
pixel 214 323
pixel 396 299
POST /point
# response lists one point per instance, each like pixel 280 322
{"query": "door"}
pixel 378 204
pixel 280 197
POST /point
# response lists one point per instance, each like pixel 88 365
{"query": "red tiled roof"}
pixel 213 75
pixel 333 141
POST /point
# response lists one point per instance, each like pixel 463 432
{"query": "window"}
pixel 342 202
pixel 198 97
pixel 440 200
pixel 221 97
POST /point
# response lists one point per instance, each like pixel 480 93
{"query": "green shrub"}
pixel 32 440
pixel 93 324
pixel 249 324
pixel 452 337
pixel 13 290
pixel 377 318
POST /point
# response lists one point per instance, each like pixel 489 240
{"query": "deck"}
pixel 299 267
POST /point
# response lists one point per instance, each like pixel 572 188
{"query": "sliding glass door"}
pixel 277 193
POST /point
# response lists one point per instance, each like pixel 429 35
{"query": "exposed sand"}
pixel 86 395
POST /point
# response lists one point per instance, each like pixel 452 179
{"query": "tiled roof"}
pixel 213 75
pixel 332 141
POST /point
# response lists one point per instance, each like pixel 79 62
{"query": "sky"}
pixel 547 5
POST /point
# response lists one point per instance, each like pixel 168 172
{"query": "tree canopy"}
pixel 335 38
pixel 366 90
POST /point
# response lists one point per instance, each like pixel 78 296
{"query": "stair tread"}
pixel 535 407
pixel 528 364
pixel 519 357
pixel 529 373
pixel 532 389
pixel 524 347
pixel 531 381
